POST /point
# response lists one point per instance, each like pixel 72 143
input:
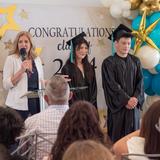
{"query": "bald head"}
pixel 57 90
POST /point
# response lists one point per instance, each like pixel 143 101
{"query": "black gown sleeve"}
pixel 139 91
pixel 115 96
pixel 93 90
pixel 66 71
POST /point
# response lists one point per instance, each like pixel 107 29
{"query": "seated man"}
pixel 57 95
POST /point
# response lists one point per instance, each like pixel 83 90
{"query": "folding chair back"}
pixel 35 145
pixel 140 156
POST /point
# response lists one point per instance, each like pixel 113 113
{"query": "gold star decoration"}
pixel 101 42
pixel 38 51
pixel 23 14
pixel 142 34
pixel 8 45
pixel 11 24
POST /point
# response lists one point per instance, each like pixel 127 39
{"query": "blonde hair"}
pixel 57 89
pixel 87 150
pixel 15 49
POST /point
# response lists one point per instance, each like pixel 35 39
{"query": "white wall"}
pixel 58 2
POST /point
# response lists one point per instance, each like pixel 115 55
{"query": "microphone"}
pixel 23 54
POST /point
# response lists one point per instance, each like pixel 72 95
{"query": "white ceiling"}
pixel 95 3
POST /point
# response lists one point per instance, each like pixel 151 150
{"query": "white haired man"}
pixel 57 94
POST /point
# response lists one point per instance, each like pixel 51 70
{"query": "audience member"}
pixel 4 154
pixel 80 122
pixel 11 126
pixel 57 95
pixel 16 157
pixel 145 141
pixel 87 150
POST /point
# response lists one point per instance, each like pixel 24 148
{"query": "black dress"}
pixel 89 93
pixel 122 79
pixel 33 103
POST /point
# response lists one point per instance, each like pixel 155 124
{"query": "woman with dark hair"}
pixel 149 129
pixel 4 154
pixel 80 122
pixel 17 157
pixel 145 141
pixel 80 71
pixel 11 126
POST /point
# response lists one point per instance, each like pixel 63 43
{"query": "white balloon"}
pixel 133 14
pixel 106 3
pixel 126 13
pixel 117 1
pixel 126 5
pixel 148 56
pixel 149 101
pixel 115 11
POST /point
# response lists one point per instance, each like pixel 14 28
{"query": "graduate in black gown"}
pixel 123 86
pixel 80 71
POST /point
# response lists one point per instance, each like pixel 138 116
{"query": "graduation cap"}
pixel 119 32
pixel 73 43
pixel 75 39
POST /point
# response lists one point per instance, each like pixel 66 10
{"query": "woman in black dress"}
pixel 80 71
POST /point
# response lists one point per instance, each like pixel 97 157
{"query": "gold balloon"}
pixel 147 2
pixel 135 4
pixel 155 8
pixel 142 33
pixel 154 2
pixel 143 7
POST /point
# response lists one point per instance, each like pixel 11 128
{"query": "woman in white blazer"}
pixel 23 71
